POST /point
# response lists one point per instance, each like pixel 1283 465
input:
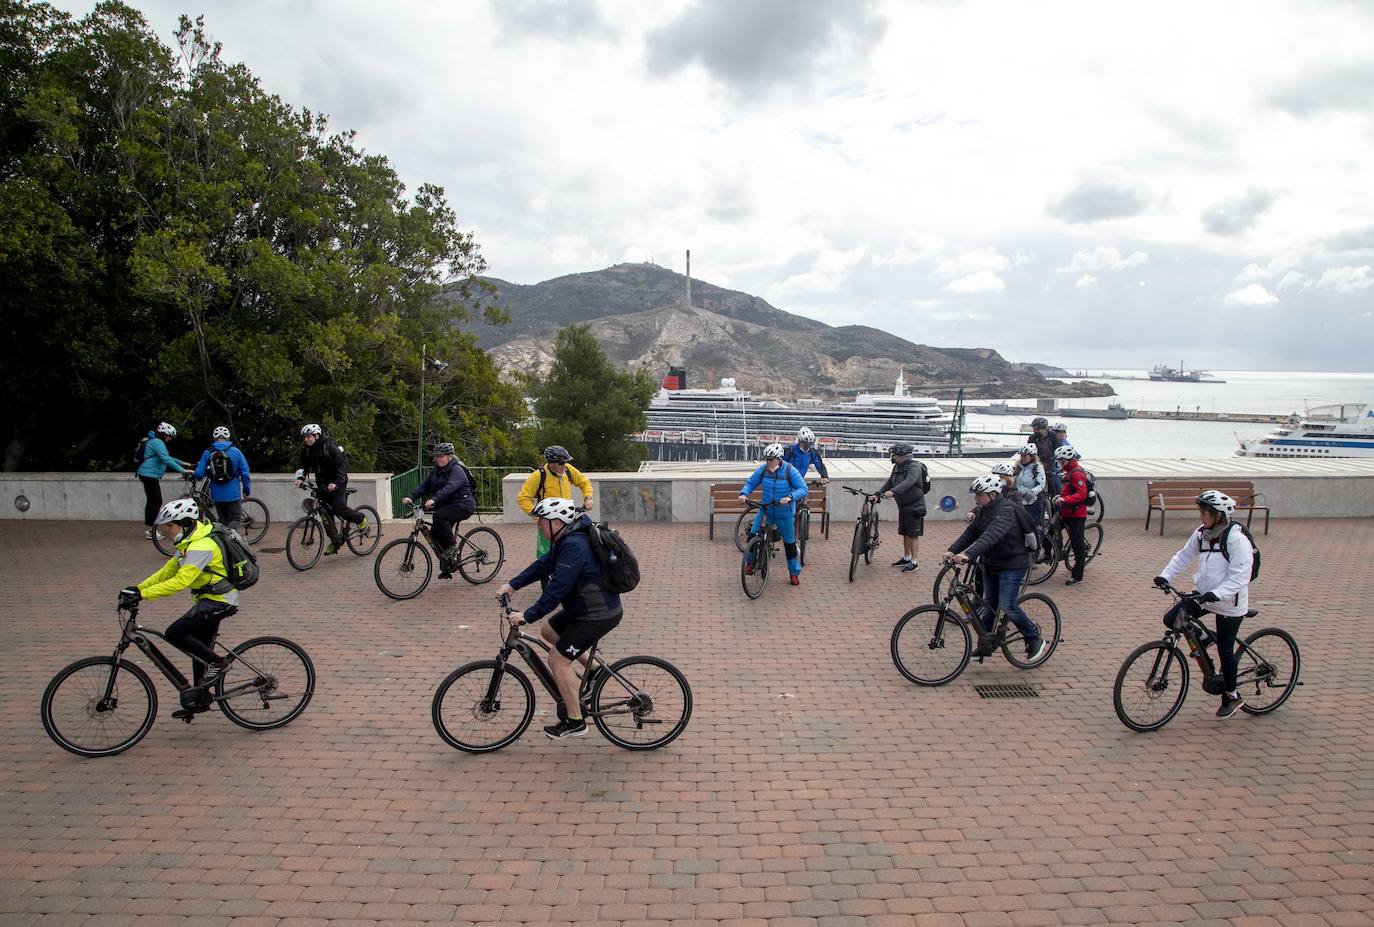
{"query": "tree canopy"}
pixel 178 243
pixel 589 405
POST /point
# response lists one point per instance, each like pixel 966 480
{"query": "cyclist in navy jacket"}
pixel 450 499
pixel 781 486
pixel 805 453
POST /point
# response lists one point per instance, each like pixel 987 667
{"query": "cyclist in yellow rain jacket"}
pixel 198 566
pixel 554 480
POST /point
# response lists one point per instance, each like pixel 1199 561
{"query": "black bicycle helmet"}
pixel 1040 422
pixel 902 449
pixel 557 453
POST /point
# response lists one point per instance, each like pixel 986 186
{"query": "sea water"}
pixel 1255 391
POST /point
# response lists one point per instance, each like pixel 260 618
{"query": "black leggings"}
pixel 338 504
pixel 1074 526
pixel 194 632
pixel 446 520
pixel 152 494
pixel 1227 629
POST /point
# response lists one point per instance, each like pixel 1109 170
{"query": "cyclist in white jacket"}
pixel 1224 584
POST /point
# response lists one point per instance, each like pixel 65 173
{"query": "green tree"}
pixel 182 244
pixel 591 406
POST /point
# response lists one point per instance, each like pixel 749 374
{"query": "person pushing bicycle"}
pixel 782 485
pixel 198 566
pixel 590 611
pixel 1225 556
pixel 451 500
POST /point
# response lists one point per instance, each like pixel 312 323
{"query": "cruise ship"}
pixel 727 423
pixel 1340 430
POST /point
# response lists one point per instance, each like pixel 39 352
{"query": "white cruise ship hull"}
pixel 1345 430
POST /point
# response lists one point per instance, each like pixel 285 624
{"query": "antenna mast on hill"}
pixel 689 278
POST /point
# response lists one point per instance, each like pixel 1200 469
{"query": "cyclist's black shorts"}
pixel 577 637
pixel 911 524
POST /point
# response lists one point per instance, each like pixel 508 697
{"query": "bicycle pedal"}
pixel 182 714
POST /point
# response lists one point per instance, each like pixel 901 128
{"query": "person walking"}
pixel 157 461
pixel 554 480
pixel 230 479
pixel 907 485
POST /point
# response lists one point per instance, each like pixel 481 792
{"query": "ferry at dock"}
pixel 1340 430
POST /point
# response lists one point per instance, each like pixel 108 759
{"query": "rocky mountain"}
pixel 638 313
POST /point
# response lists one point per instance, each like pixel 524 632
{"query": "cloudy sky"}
pixel 1080 183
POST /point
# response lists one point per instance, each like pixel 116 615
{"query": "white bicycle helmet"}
pixel 988 483
pixel 1217 501
pixel 556 509
pixel 1031 449
pixel 1066 452
pixel 220 433
pixel 167 429
pixel 311 430
pixel 178 510
pixel 806 435
pixel 772 451
pixel 1002 468
pixel 1059 427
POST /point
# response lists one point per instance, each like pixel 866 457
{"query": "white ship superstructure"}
pixel 1341 430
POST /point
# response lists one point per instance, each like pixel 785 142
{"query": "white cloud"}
pixel 1295 279
pixel 1252 295
pixel 974 261
pixel 1103 257
pixel 828 274
pixel 1346 279
pixel 912 249
pixel 1086 280
pixel 984 281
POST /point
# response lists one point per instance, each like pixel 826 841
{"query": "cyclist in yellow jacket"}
pixel 198 566
pixel 554 480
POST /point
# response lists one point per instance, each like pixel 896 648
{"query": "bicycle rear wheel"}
pixel 164 545
pixel 1269 669
pixel 742 526
pixel 1040 609
pixel 366 542
pixel 1096 510
pixel 753 567
pixel 305 543
pixel 1092 540
pixel 1151 686
pixel 403 569
pixel 481 556
pixel 268 685
pixel 255 522
pixel 930 645
pixel 1045 561
pixel 483 706
pixel 641 703
pixel 79 718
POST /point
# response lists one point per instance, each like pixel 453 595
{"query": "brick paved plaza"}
pixel 813 786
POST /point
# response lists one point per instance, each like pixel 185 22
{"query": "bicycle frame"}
pixel 425 529
pixel 134 634
pixel 1198 637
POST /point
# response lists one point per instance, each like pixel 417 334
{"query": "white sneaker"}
pixel 148 534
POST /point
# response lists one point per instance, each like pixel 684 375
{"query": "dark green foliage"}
pixel 180 244
pixel 589 405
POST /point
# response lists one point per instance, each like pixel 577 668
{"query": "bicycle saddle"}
pixel 350 491
pixel 1252 613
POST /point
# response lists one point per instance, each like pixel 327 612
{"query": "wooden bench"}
pixel 725 503
pixel 1179 495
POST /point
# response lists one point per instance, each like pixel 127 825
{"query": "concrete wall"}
pixel 119 496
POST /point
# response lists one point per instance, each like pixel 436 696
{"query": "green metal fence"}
pixel 487 490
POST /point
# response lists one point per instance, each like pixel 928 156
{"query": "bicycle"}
pixel 932 644
pixel 1268 665
pixel 758 556
pixel 745 523
pixel 404 567
pixel 305 540
pixel 866 539
pixel 1055 548
pixel 254 525
pixel 86 711
pixel 641 693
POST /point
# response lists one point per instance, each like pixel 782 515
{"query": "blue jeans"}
pixel 1000 590
pixel 785 517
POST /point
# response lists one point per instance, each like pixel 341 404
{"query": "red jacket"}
pixel 1073 495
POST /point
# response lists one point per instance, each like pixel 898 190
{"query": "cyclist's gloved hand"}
pixel 1209 597
pixel 1161 582
pixel 129 595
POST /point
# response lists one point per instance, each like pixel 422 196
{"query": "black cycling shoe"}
pixel 566 728
pixel 1229 706
pixel 183 714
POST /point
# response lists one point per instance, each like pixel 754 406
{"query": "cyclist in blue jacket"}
pixel 805 453
pixel 230 479
pixel 781 487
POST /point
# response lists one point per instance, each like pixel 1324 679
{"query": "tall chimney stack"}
pixel 689 278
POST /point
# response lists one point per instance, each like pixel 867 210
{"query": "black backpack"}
pixel 239 561
pixel 221 468
pixel 619 568
pixel 925 478
pixel 140 453
pixel 1092 485
pixel 1254 563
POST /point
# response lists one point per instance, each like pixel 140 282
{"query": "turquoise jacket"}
pixel 156 459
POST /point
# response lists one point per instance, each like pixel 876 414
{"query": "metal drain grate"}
pixel 270 550
pixel 1014 690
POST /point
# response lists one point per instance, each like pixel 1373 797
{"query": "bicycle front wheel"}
pixel 1045 560
pixel 641 703
pixel 255 522
pixel 363 542
pixel 871 540
pixel 481 556
pixel 945 581
pixel 802 531
pixel 753 567
pixel 305 543
pixel 483 706
pixel 78 716
pixel 1041 610
pixel 1151 686
pixel 403 569
pixel 931 646
pixel 742 526
pixel 268 684
pixel 856 549
pixel 1269 668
